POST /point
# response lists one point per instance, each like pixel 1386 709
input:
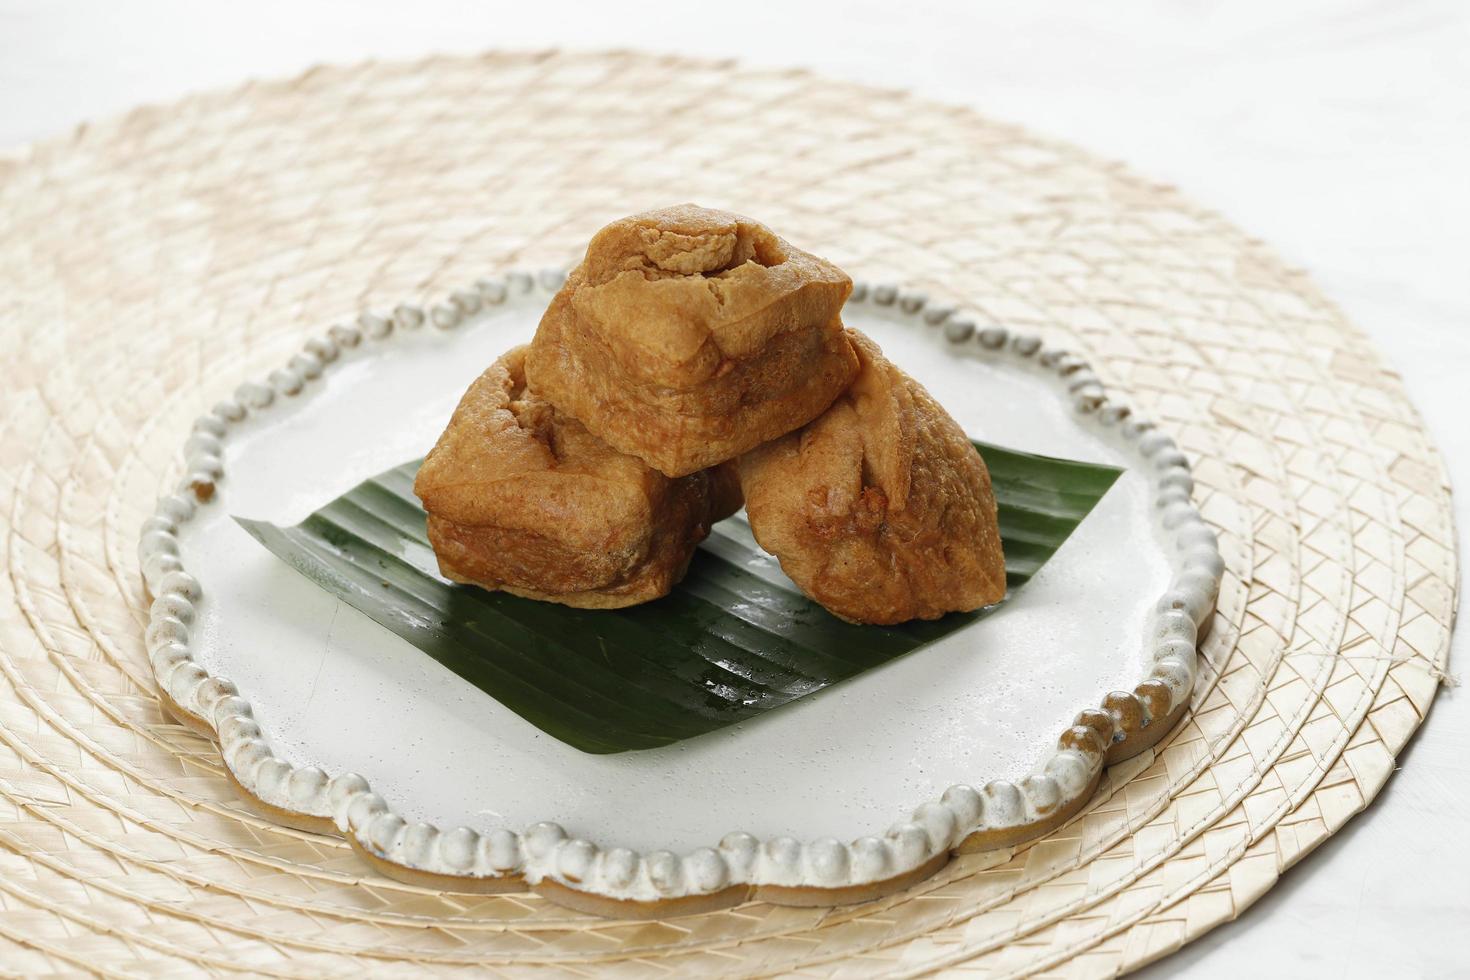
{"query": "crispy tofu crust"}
pixel 524 499
pixel 880 509
pixel 688 336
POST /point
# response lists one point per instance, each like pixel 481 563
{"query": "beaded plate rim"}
pixel 617 881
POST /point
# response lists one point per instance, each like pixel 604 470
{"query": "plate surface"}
pixel 332 689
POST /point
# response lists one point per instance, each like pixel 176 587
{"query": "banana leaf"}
pixel 734 639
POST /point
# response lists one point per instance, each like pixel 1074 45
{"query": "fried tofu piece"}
pixel 524 499
pixel 687 337
pixel 881 509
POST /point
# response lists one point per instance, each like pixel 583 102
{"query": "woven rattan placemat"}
pixel 149 264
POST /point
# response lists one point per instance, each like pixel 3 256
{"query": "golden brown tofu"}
pixel 523 498
pixel 880 509
pixel 689 336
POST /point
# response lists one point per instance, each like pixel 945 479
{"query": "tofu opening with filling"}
pixel 688 336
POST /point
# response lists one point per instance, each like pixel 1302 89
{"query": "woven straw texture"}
pixel 148 265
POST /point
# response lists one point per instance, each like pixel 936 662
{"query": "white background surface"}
pixel 1336 130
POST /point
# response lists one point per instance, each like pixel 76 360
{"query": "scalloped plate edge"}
pixel 618 882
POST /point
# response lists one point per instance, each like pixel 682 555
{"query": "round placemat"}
pixel 151 263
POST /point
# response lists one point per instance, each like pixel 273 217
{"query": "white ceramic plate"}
pixel 324 692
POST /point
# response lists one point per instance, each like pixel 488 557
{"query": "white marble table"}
pixel 1337 130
